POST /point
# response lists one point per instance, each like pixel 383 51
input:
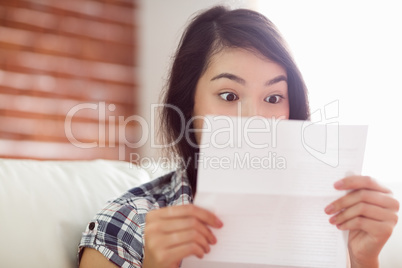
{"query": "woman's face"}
pixel 239 82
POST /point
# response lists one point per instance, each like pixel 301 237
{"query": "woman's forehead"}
pixel 240 60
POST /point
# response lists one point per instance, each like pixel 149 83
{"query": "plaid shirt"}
pixel 117 230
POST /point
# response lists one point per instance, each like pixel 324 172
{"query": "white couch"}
pixel 45 205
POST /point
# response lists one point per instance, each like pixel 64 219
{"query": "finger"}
pixel 163 242
pixel 186 237
pixel 364 210
pixel 381 230
pixel 188 223
pixel 173 256
pixel 360 182
pixel 187 210
pixel 367 196
pixel 176 254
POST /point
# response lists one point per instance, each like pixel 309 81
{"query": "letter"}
pixel 246 160
pixel 102 126
pixel 267 158
pixel 182 124
pixel 206 127
pixel 281 163
pixel 329 156
pixel 122 134
pixel 68 128
pixel 274 124
pixel 137 157
pixel 224 141
pixel 112 127
pixel 248 129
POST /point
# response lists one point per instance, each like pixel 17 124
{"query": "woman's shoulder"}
pixel 160 192
pixel 157 186
pixel 121 222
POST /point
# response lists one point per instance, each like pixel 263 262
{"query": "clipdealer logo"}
pixel 327 153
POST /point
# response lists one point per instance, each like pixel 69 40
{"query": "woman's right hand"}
pixel 173 233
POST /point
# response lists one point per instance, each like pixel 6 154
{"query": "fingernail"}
pixel 339 184
pixel 332 220
pixel 219 223
pixel 329 209
pixel 214 240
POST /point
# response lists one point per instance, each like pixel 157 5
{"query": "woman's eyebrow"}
pixel 231 77
pixel 277 79
pixel 241 81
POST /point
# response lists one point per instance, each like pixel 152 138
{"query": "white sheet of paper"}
pixel 271 200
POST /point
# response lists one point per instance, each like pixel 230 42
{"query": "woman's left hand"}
pixel 369 212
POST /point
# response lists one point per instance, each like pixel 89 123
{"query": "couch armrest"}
pixel 45 205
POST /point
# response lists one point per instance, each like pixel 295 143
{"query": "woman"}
pixel 225 59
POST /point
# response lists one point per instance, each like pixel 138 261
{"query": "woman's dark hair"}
pixel 208 33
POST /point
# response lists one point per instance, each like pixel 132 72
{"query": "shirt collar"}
pixel 180 188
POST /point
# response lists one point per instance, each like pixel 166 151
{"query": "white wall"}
pixel 161 23
pixel 351 51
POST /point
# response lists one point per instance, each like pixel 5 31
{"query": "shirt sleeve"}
pixel 117 233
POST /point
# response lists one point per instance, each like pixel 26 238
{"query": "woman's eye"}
pixel 229 96
pixel 273 99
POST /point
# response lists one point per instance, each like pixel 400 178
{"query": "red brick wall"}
pixel 55 55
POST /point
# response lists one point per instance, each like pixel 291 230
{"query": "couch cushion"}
pixel 45 205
